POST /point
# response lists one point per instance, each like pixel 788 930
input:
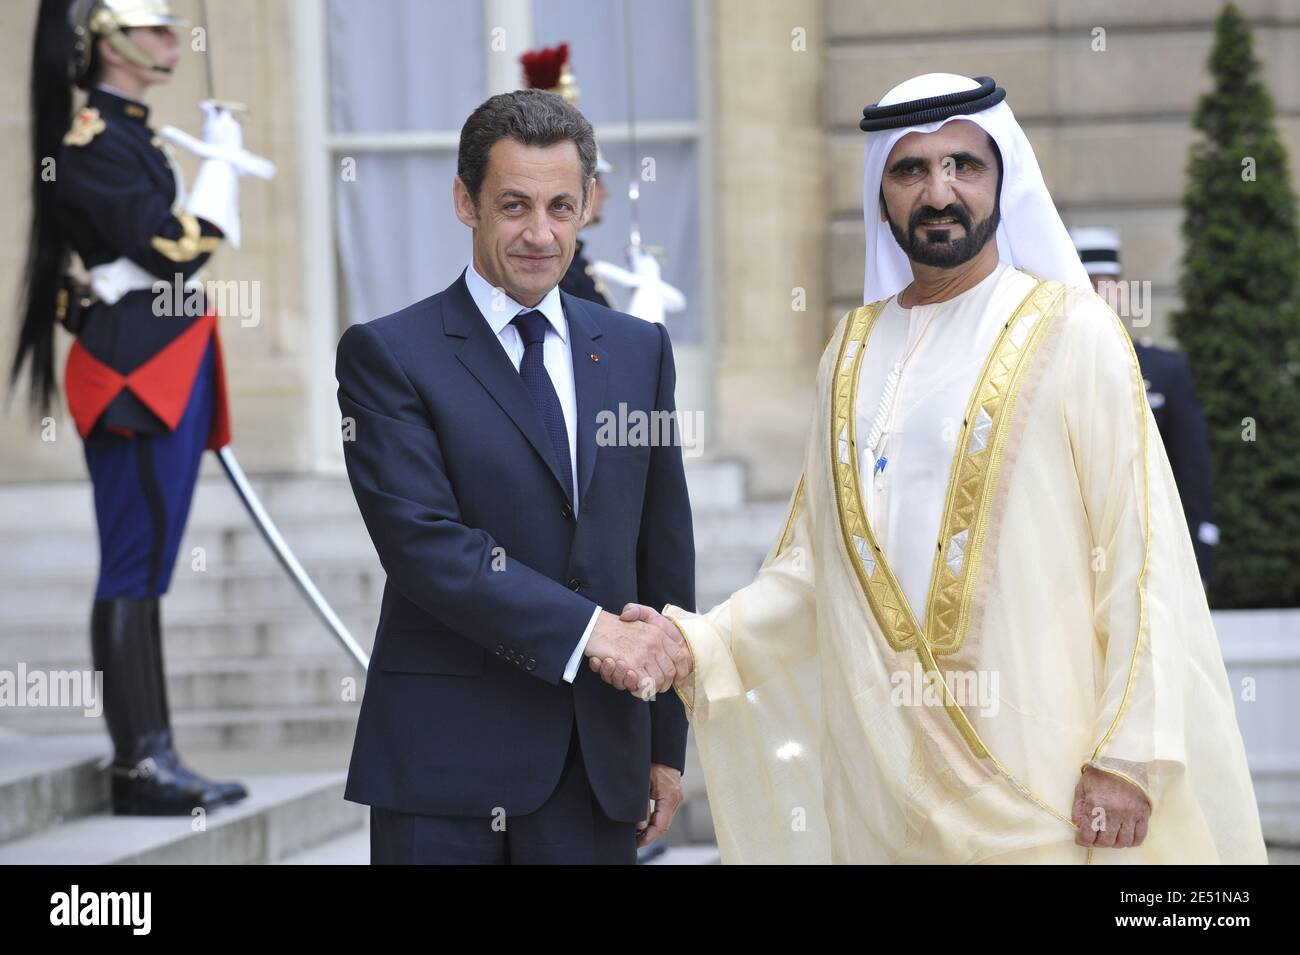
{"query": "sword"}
pixel 207 67
pixel 284 555
pixel 245 163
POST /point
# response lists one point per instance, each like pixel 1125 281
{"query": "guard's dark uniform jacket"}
pixel 132 371
pixel 579 281
pixel 1172 398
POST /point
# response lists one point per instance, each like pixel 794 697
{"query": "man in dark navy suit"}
pixel 477 442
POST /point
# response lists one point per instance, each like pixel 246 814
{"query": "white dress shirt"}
pixel 499 310
pixel 905 501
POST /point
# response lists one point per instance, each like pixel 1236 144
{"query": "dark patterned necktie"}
pixel 532 329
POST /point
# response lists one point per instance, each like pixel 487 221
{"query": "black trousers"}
pixel 569 828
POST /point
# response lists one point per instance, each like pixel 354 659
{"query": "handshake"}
pixel 640 651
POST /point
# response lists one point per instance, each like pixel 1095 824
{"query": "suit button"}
pixel 566 512
pixel 531 664
pixel 575 583
pixel 499 650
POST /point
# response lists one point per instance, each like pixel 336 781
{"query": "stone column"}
pixel 771 181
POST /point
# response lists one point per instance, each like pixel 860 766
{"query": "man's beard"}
pixel 940 249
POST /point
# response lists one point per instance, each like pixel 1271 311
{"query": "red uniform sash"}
pixel 163 383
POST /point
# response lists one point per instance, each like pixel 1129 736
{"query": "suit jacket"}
pixel 491 579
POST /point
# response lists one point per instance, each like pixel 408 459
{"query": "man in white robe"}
pixel 980 636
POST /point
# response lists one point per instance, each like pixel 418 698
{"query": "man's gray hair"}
pixel 530 117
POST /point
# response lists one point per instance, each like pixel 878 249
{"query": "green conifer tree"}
pixel 1239 324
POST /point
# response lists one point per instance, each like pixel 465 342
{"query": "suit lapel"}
pixel 590 373
pixel 487 361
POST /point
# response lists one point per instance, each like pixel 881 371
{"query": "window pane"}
pixel 400 65
pixel 398 237
pixel 663 38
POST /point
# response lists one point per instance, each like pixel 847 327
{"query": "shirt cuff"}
pixel 571 671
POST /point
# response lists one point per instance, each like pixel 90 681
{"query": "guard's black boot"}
pixel 223 793
pixel 144 783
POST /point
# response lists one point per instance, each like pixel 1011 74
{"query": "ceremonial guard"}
pixel 1172 398
pixel 144 378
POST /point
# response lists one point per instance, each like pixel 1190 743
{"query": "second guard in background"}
pixel 1172 397
pixel 548 69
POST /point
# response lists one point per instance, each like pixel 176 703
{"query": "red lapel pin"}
pixel 594 357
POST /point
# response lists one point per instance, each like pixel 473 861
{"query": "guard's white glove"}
pixel 221 129
pixel 651 295
pixel 215 196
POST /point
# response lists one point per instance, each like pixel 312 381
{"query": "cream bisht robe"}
pixel 1075 588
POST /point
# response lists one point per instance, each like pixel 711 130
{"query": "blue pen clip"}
pixel 880 463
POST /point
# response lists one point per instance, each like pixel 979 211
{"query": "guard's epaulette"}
pixel 86 125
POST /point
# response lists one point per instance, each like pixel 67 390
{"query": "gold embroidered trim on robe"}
pixel 790 518
pixel 1140 406
pixel 686 688
pixel 975 472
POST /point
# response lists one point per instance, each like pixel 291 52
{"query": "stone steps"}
pixel 40 602
pixel 46 781
pixel 266 727
pixel 260 585
pixel 54 810
pixel 351 848
pixel 235 551
pixel 188 635
pixel 283 813
pixel 37 508
pixel 47 609
pixel 68 506
pixel 253 683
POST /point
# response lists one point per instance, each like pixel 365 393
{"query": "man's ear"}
pixel 586 203
pixel 466 211
pixel 108 55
